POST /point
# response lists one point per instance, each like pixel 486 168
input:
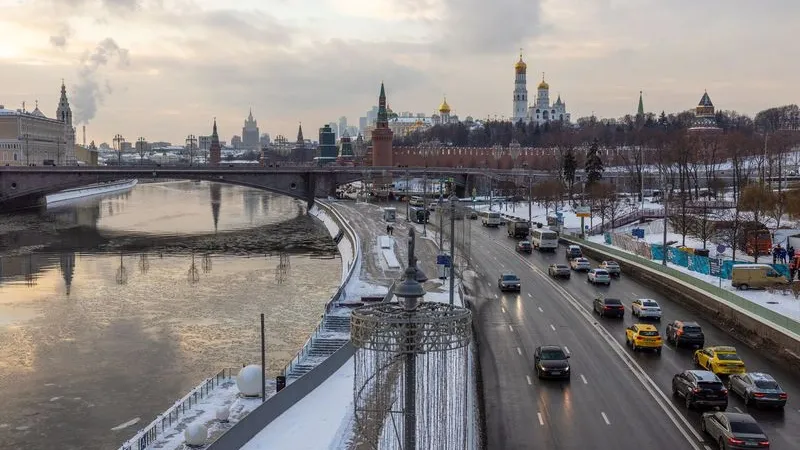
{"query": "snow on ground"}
pixel 386 248
pixel 319 420
pixel 345 247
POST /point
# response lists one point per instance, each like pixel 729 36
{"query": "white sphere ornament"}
pixel 223 413
pixel 196 434
pixel 249 381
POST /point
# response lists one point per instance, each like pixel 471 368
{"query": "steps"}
pixel 322 346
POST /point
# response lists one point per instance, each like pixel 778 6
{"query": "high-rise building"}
pixel 382 135
pixel 236 142
pixel 250 134
pixel 327 145
pixel 215 151
pixel 342 126
pixel 362 125
pixel 335 128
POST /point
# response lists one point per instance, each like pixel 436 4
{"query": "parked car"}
pixel 580 264
pixel 758 389
pixel 700 388
pixel 524 247
pixel 559 271
pixel 734 430
pixel 574 251
pixel 509 282
pixel 609 307
pixel 551 362
pixel 680 333
pixel 612 267
pixel 598 276
pixel 646 308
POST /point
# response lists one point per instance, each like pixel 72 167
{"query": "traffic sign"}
pixel 583 211
pixel 721 248
pixel 443 260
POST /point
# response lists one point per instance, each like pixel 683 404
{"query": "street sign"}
pixel 443 260
pixel 720 248
pixel 583 211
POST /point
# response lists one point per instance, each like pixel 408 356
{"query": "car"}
pixel 722 360
pixel 509 282
pixel 574 251
pixel 580 264
pixel 733 431
pixel 559 270
pixel 646 308
pixel 598 276
pixel 679 332
pixel 612 267
pixel 643 336
pixel 758 389
pixel 473 215
pixel 524 247
pixel 551 362
pixel 700 388
pixel 609 307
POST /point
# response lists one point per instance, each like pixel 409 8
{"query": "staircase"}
pixel 334 333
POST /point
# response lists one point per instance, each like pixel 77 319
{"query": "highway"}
pixel 616 399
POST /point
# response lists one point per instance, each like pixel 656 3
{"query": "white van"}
pixel 544 240
pixel 490 219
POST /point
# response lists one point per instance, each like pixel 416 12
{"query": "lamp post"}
pixel 118 141
pixel 407 196
pixel 453 200
pixel 666 201
pixel 425 195
pixel 191 144
pixel 410 290
pixel 140 147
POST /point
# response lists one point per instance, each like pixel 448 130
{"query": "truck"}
pixel 518 228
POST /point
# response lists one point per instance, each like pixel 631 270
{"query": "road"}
pixel 616 399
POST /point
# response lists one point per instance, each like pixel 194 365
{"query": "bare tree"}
pixel 600 197
pixel 548 193
pixel 703 226
pixel 758 200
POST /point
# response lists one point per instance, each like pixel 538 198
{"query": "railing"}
pixel 147 436
pixel 765 314
pixel 628 218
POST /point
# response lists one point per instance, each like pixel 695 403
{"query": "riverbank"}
pixel 90 191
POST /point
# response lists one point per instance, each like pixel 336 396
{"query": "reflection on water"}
pixel 90 339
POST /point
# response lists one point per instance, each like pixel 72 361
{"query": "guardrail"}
pixel 763 313
pixel 148 435
pixel 355 243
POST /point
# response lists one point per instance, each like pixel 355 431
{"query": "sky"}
pixel 163 69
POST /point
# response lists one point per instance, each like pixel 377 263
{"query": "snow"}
pixel 319 420
pixel 386 248
pixel 344 246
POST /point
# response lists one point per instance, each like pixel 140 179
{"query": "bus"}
pixel 490 219
pixel 419 215
pixel 544 240
pixel 416 201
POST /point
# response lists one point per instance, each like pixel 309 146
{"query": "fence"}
pixel 147 436
pixel 763 313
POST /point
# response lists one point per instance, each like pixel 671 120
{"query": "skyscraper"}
pixel 327 145
pixel 250 134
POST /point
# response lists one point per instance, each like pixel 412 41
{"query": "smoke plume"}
pixel 92 88
pixel 60 40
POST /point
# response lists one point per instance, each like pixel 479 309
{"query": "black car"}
pixel 734 430
pixel 574 251
pixel 700 388
pixel 551 362
pixel 609 307
pixel 758 389
pixel 524 247
pixel 680 333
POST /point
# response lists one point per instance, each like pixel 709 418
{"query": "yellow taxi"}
pixel 722 360
pixel 643 336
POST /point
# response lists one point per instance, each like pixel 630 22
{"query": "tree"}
pixel 703 227
pixel 548 193
pixel 601 196
pixel 570 165
pixel 757 199
pixel 594 164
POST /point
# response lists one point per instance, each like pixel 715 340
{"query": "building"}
pixel 250 135
pixel 215 150
pixel 362 125
pixel 327 145
pixel 236 142
pixel 342 126
pixel 86 155
pixel 30 137
pixel 265 140
pixel 382 135
pixel 335 128
pixel 705 117
pixel 346 154
pixel 541 111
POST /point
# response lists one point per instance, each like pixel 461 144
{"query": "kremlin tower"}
pixel 520 91
pixel 215 151
pixel 382 135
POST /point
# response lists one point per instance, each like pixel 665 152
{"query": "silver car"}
pixel 508 282
pixel 580 264
pixel 734 430
pixel 758 389
pixel 612 267
pixel 599 276
pixel 646 308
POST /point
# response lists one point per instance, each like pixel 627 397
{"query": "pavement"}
pixel 615 399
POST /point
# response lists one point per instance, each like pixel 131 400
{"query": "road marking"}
pixel 634 294
pixel 541 420
pixel 583 378
pixel 495 296
pixel 553 327
pixel 519 351
pixel 566 349
pixel 707 447
pixel 605 418
pixel 540 309
pixel 675 416
pixel 504 310
pixel 529 379
pixel 510 328
pixel 488 283
pixel 737 409
pixel 666 347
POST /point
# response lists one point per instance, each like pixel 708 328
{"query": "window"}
pixel 648 333
pixel 612 301
pixel 746 428
pixel 727 356
pixel 766 384
pixel 691 329
pixel 510 278
pixel 552 355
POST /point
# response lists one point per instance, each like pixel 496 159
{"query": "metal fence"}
pixel 765 314
pixel 147 436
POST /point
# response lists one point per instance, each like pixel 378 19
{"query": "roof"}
pixel 722 349
pixel 739 417
pixel 7 112
pixel 611 300
pixel 705 100
pixel 704 375
pixel 646 327
pixel 687 323
pixel 761 376
pixel 508 273
pixel 551 347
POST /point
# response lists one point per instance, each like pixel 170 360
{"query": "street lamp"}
pixel 140 147
pixel 453 200
pixel 191 144
pixel 118 141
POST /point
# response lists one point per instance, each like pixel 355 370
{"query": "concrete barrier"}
pixel 780 344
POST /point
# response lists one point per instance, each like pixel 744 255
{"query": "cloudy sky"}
pixel 163 69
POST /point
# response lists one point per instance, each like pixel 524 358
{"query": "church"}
pixel 541 111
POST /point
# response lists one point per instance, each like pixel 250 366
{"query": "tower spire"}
pixel 640 111
pixel 383 115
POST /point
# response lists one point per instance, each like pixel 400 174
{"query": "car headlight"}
pixel 541 367
pixel 566 369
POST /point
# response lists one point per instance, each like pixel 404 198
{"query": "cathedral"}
pixel 541 111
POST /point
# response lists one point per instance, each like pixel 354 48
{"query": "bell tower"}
pixel 520 90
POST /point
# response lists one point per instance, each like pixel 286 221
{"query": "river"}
pixel 113 308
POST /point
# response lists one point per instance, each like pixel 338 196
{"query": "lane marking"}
pixel 583 378
pixel 510 328
pixel 495 296
pixel 529 295
pixel 707 447
pixel 540 309
pixel 680 421
pixel 541 420
pixel 737 409
pixel 552 327
pixel 488 283
pixel 566 349
pixel 605 418
pixel 519 351
pixel 504 310
pixel 529 379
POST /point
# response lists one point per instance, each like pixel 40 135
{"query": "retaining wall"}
pixel 779 343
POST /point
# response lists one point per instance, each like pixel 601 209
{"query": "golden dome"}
pixel 520 66
pixel 543 84
pixel 444 108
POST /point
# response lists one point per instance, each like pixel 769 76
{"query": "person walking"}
pixel 782 254
pixel 774 254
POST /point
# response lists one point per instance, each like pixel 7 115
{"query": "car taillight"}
pixel 696 390
pixel 607 307
pixel 783 396
pixel 758 395
pixel 763 443
pixel 723 391
pixel 734 441
pixel 679 332
pixel 638 338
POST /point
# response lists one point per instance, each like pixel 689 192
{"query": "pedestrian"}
pixel 783 255
pixel 388 227
pixel 391 230
pixel 791 252
pixel 775 255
